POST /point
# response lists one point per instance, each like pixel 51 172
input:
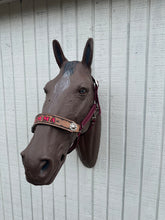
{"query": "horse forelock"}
pixel 70 66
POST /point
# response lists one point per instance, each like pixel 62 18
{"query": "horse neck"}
pixel 89 144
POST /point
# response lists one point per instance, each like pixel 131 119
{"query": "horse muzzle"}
pixel 41 171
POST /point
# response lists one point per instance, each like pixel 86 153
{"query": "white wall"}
pixel 128 181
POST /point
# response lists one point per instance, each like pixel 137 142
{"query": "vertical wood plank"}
pixel 31 89
pixel 41 39
pixel 55 32
pixel 2 211
pixel 20 101
pixel 42 58
pixel 119 50
pixel 161 196
pixel 136 99
pixel 5 190
pixel 101 69
pixel 71 164
pixel 160 211
pixel 4 159
pixel 154 112
pixel 84 31
pixel 10 114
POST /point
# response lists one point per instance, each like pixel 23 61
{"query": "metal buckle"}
pixel 96 82
pixel 95 113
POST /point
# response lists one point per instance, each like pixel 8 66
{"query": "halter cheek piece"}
pixel 69 125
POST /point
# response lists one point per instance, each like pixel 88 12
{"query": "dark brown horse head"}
pixel 70 95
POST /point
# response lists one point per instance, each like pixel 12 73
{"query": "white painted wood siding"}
pixel 128 181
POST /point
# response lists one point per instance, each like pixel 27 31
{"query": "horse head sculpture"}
pixel 70 119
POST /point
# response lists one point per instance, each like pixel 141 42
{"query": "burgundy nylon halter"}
pixel 91 116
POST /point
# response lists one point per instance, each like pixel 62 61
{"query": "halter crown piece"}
pixel 69 125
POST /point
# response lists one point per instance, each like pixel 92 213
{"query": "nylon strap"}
pixel 91 116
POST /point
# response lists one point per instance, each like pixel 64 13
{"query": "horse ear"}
pixel 58 53
pixel 88 53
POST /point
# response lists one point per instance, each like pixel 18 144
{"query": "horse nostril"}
pixel 62 157
pixel 45 165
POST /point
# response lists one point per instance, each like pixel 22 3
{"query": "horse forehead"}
pixel 72 72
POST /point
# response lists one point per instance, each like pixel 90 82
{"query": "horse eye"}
pixel 83 91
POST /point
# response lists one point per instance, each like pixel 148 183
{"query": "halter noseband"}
pixel 69 125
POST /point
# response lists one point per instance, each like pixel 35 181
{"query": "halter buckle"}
pixel 96 113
